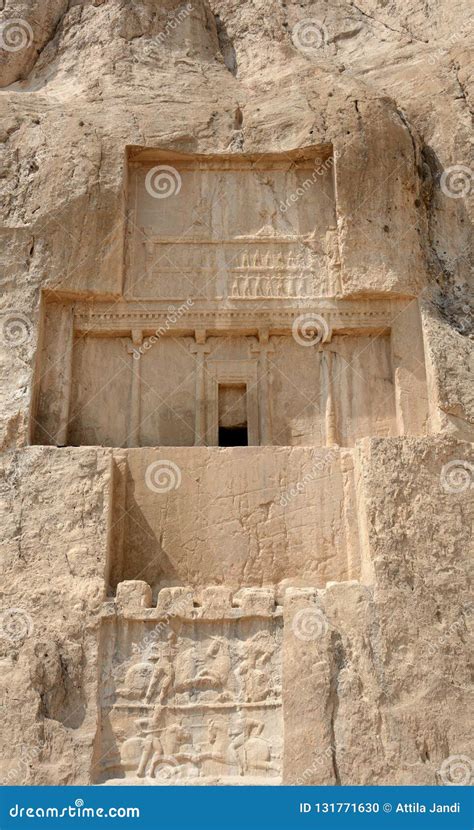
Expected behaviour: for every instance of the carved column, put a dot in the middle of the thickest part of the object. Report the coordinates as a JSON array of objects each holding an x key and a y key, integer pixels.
[
  {"x": 200, "y": 349},
  {"x": 327, "y": 359},
  {"x": 264, "y": 348},
  {"x": 66, "y": 378},
  {"x": 133, "y": 438}
]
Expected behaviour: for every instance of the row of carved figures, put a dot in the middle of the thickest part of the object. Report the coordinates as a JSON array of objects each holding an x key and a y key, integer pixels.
[
  {"x": 278, "y": 261},
  {"x": 271, "y": 286}
]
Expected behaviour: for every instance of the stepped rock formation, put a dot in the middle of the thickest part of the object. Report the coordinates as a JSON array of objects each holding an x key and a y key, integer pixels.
[{"x": 237, "y": 399}]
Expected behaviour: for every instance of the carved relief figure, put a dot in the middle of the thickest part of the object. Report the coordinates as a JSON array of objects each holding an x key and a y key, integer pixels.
[
  {"x": 169, "y": 747},
  {"x": 218, "y": 663},
  {"x": 254, "y": 669},
  {"x": 253, "y": 752},
  {"x": 136, "y": 681},
  {"x": 162, "y": 679},
  {"x": 152, "y": 677},
  {"x": 205, "y": 670},
  {"x": 215, "y": 755}
]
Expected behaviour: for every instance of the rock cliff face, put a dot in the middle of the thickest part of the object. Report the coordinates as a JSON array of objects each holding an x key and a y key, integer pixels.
[{"x": 162, "y": 587}]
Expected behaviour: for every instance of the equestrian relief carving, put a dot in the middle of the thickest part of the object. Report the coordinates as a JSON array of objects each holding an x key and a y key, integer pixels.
[{"x": 192, "y": 697}]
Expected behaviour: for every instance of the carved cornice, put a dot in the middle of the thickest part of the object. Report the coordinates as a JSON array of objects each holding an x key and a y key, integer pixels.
[
  {"x": 179, "y": 316},
  {"x": 302, "y": 156}
]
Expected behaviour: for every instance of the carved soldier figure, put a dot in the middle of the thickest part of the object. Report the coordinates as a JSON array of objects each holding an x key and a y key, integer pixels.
[
  {"x": 215, "y": 755},
  {"x": 162, "y": 678},
  {"x": 254, "y": 670},
  {"x": 218, "y": 664},
  {"x": 252, "y": 751},
  {"x": 168, "y": 746}
]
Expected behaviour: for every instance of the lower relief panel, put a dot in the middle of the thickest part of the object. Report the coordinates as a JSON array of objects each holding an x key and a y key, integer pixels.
[{"x": 190, "y": 701}]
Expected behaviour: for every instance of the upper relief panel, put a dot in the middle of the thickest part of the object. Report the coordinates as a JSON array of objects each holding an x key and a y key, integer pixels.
[{"x": 232, "y": 228}]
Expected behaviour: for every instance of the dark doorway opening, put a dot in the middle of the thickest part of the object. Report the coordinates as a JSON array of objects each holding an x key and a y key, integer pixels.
[
  {"x": 233, "y": 436},
  {"x": 232, "y": 408}
]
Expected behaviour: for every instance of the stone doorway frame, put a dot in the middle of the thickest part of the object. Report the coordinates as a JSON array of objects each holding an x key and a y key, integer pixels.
[{"x": 229, "y": 373}]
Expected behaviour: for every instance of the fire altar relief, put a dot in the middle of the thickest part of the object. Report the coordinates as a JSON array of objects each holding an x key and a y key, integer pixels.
[{"x": 191, "y": 694}]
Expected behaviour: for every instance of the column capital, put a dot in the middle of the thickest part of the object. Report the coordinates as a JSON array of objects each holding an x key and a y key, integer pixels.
[
  {"x": 200, "y": 336},
  {"x": 264, "y": 345},
  {"x": 135, "y": 341},
  {"x": 200, "y": 347},
  {"x": 264, "y": 336}
]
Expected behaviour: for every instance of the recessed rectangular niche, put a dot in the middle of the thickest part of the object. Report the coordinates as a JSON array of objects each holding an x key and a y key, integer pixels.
[
  {"x": 232, "y": 227},
  {"x": 237, "y": 518}
]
